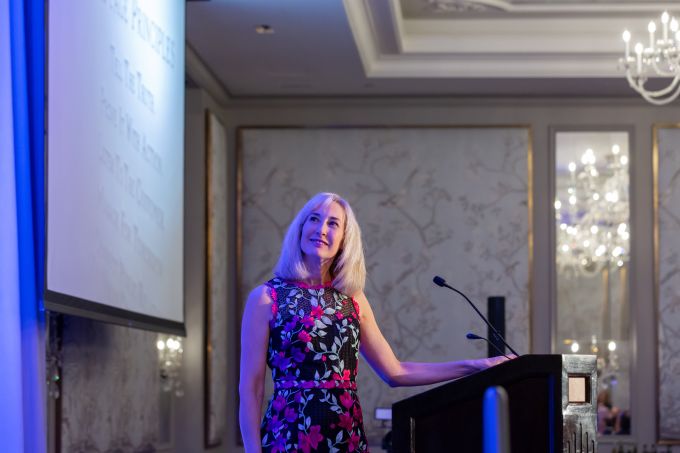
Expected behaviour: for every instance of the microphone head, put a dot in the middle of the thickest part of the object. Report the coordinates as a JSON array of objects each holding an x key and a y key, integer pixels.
[
  {"x": 472, "y": 336},
  {"x": 438, "y": 280}
]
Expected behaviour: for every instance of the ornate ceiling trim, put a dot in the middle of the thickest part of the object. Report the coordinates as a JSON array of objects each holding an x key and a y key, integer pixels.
[
  {"x": 391, "y": 45},
  {"x": 537, "y": 6}
]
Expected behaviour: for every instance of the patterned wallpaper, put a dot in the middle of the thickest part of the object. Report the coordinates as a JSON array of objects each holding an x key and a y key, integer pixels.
[
  {"x": 447, "y": 201},
  {"x": 111, "y": 398},
  {"x": 668, "y": 256}
]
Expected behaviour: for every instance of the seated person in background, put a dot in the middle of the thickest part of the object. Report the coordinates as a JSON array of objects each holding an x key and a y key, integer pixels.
[
  {"x": 622, "y": 425},
  {"x": 607, "y": 414}
]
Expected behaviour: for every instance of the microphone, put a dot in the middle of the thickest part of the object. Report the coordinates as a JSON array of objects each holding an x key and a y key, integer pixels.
[
  {"x": 472, "y": 336},
  {"x": 441, "y": 282}
]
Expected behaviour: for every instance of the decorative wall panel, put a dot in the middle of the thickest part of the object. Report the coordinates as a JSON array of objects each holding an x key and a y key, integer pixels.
[
  {"x": 667, "y": 171},
  {"x": 430, "y": 201},
  {"x": 111, "y": 396}
]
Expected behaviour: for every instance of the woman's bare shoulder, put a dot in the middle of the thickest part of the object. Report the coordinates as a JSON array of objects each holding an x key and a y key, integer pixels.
[
  {"x": 260, "y": 296},
  {"x": 361, "y": 300},
  {"x": 259, "y": 308},
  {"x": 360, "y": 297}
]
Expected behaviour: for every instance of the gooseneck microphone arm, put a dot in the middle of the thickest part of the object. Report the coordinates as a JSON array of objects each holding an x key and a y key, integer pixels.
[
  {"x": 472, "y": 336},
  {"x": 441, "y": 282}
]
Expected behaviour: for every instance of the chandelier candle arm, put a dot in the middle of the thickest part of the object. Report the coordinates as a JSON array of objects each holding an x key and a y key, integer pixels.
[
  {"x": 656, "y": 97},
  {"x": 663, "y": 101},
  {"x": 660, "y": 59},
  {"x": 639, "y": 87}
]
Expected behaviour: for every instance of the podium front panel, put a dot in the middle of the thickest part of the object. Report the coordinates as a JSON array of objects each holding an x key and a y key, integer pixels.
[{"x": 546, "y": 414}]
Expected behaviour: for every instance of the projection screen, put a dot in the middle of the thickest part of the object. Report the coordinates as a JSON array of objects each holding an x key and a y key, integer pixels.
[{"x": 115, "y": 161}]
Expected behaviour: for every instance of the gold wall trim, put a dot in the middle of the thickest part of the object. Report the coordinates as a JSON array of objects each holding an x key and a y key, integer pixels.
[
  {"x": 208, "y": 321},
  {"x": 656, "y": 127},
  {"x": 530, "y": 244}
]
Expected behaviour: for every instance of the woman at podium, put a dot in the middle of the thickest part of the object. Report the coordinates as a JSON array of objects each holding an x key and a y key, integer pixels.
[{"x": 308, "y": 325}]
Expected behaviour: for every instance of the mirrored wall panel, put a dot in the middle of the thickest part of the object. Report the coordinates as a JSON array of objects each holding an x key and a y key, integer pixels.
[{"x": 591, "y": 260}]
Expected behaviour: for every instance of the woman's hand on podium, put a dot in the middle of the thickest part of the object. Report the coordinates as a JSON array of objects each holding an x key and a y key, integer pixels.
[{"x": 493, "y": 361}]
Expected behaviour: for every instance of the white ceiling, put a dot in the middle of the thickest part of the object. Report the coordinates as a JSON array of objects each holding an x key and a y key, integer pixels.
[{"x": 418, "y": 47}]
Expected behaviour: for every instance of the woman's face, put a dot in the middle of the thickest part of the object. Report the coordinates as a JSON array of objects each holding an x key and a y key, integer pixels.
[{"x": 323, "y": 231}]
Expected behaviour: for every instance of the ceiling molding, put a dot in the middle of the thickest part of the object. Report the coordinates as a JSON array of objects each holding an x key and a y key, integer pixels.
[
  {"x": 509, "y": 46},
  {"x": 201, "y": 74},
  {"x": 513, "y": 102},
  {"x": 444, "y": 7},
  {"x": 363, "y": 32}
]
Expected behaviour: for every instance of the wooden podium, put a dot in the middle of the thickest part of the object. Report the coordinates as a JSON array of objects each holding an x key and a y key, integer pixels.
[{"x": 552, "y": 406}]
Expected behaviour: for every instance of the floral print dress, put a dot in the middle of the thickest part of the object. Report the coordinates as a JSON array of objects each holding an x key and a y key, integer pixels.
[{"x": 313, "y": 354}]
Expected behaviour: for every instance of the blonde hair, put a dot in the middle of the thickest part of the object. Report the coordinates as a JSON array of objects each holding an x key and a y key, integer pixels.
[{"x": 348, "y": 269}]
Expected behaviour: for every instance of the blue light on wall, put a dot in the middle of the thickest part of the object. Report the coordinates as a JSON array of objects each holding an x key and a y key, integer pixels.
[{"x": 22, "y": 403}]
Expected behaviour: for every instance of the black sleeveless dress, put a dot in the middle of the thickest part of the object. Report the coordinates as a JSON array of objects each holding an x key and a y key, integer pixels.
[{"x": 313, "y": 354}]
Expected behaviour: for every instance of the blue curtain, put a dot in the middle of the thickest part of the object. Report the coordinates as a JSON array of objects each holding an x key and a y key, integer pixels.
[{"x": 22, "y": 391}]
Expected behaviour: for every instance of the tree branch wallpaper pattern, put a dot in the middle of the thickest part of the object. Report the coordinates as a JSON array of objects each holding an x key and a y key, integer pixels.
[
  {"x": 430, "y": 201},
  {"x": 668, "y": 262}
]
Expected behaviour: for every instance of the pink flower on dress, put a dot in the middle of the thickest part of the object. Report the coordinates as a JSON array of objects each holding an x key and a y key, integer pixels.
[
  {"x": 317, "y": 312},
  {"x": 279, "y": 403},
  {"x": 308, "y": 322},
  {"x": 274, "y": 424},
  {"x": 289, "y": 326},
  {"x": 344, "y": 377},
  {"x": 280, "y": 361},
  {"x": 298, "y": 355},
  {"x": 279, "y": 445},
  {"x": 346, "y": 400},
  {"x": 290, "y": 415},
  {"x": 339, "y": 315},
  {"x": 307, "y": 441},
  {"x": 346, "y": 422},
  {"x": 358, "y": 414},
  {"x": 304, "y": 337},
  {"x": 353, "y": 442},
  {"x": 356, "y": 307}
]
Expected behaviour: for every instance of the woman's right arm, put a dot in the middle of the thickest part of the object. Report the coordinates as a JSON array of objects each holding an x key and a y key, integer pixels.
[{"x": 254, "y": 343}]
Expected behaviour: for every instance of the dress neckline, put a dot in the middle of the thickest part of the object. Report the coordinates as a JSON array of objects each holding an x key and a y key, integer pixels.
[{"x": 304, "y": 285}]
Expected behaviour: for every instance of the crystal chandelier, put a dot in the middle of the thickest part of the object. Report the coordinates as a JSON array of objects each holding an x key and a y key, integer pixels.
[
  {"x": 591, "y": 213},
  {"x": 660, "y": 59}
]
